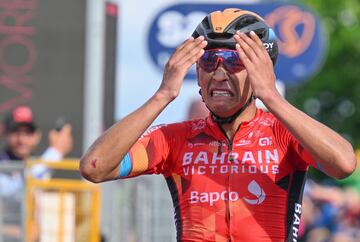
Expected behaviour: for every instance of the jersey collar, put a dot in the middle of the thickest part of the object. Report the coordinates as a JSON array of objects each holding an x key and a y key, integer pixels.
[{"x": 213, "y": 129}]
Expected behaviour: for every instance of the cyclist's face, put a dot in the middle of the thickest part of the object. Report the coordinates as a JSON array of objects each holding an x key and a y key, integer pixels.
[{"x": 223, "y": 92}]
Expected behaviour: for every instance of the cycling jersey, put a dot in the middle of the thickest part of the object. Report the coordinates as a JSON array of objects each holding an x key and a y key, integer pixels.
[{"x": 247, "y": 189}]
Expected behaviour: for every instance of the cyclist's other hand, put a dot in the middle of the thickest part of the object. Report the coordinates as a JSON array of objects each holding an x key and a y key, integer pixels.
[{"x": 257, "y": 63}]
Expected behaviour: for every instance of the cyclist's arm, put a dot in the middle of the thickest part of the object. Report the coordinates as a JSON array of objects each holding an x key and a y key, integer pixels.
[
  {"x": 101, "y": 162},
  {"x": 332, "y": 153}
]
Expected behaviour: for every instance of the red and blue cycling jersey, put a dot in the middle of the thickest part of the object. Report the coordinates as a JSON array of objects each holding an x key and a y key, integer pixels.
[{"x": 247, "y": 189}]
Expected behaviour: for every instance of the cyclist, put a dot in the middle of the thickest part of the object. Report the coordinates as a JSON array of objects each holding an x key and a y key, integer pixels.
[{"x": 236, "y": 175}]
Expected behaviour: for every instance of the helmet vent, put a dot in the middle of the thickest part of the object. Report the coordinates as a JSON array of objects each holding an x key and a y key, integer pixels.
[
  {"x": 220, "y": 36},
  {"x": 206, "y": 23},
  {"x": 245, "y": 21},
  {"x": 261, "y": 33}
]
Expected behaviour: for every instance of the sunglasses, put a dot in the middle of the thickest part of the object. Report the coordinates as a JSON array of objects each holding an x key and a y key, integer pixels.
[{"x": 212, "y": 58}]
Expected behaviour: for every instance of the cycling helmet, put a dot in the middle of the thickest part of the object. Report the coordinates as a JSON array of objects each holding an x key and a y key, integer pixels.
[{"x": 218, "y": 28}]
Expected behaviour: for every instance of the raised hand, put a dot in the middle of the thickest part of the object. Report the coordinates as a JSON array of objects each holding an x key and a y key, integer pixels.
[
  {"x": 62, "y": 140},
  {"x": 257, "y": 63},
  {"x": 179, "y": 64}
]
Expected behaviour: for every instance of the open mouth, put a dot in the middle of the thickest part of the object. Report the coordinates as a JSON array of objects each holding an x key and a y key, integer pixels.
[{"x": 221, "y": 93}]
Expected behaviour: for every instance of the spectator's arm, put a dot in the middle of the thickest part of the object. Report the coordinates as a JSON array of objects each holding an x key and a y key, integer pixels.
[{"x": 60, "y": 143}]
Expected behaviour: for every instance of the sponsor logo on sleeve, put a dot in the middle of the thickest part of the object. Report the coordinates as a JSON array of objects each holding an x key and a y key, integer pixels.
[{"x": 265, "y": 141}]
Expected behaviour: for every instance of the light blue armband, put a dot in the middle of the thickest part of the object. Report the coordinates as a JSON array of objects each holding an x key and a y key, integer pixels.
[{"x": 125, "y": 166}]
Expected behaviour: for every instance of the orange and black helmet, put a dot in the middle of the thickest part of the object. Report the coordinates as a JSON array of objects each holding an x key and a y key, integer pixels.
[{"x": 219, "y": 28}]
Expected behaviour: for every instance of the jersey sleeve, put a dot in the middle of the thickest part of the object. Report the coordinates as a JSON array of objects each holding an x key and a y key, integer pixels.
[
  {"x": 299, "y": 156},
  {"x": 148, "y": 155}
]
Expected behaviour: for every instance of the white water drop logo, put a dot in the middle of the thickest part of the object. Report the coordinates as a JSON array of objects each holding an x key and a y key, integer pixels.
[{"x": 256, "y": 190}]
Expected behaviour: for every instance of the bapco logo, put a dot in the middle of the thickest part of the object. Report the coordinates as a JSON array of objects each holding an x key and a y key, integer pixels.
[{"x": 212, "y": 197}]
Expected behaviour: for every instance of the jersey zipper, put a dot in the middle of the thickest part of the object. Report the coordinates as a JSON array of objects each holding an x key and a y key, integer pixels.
[{"x": 230, "y": 143}]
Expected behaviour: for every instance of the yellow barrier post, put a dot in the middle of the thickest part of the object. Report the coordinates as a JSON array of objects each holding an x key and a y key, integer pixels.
[{"x": 62, "y": 190}]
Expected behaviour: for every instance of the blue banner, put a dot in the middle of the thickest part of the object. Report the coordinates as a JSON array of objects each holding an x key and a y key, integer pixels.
[{"x": 302, "y": 42}]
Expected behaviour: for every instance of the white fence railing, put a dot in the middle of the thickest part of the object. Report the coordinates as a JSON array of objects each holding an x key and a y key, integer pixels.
[{"x": 138, "y": 210}]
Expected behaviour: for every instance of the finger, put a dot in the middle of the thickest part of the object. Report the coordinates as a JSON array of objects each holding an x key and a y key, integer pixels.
[
  {"x": 247, "y": 49},
  {"x": 67, "y": 128},
  {"x": 187, "y": 48},
  {"x": 195, "y": 44},
  {"x": 184, "y": 43},
  {"x": 258, "y": 49},
  {"x": 258, "y": 41},
  {"x": 243, "y": 57},
  {"x": 174, "y": 56},
  {"x": 256, "y": 38},
  {"x": 196, "y": 52},
  {"x": 192, "y": 60},
  {"x": 177, "y": 55},
  {"x": 261, "y": 50}
]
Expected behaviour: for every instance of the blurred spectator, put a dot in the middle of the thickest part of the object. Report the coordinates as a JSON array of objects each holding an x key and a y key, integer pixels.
[
  {"x": 330, "y": 214},
  {"x": 22, "y": 136},
  {"x": 197, "y": 109}
]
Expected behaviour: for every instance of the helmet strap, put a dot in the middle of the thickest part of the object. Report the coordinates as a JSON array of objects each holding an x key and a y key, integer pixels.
[
  {"x": 201, "y": 95},
  {"x": 224, "y": 120}
]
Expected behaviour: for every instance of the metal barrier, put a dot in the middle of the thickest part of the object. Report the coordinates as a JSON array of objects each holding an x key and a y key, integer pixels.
[
  {"x": 64, "y": 208},
  {"x": 67, "y": 209},
  {"x": 138, "y": 210},
  {"x": 11, "y": 201}
]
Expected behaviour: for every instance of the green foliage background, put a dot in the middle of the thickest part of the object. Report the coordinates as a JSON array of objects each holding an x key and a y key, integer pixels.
[{"x": 332, "y": 96}]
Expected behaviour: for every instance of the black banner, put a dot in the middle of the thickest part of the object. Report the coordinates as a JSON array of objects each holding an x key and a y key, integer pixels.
[
  {"x": 110, "y": 63},
  {"x": 42, "y": 44}
]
